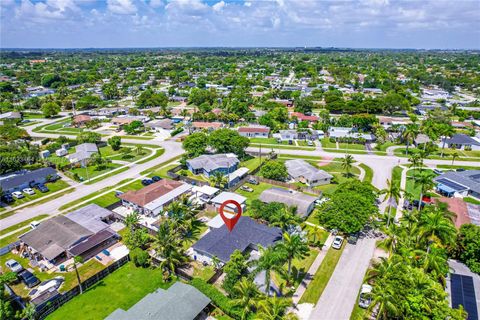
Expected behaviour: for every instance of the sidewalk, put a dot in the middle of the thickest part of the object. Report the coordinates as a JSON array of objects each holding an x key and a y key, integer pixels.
[{"x": 313, "y": 269}]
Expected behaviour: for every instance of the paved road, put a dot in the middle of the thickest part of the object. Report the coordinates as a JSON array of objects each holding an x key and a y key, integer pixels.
[
  {"x": 340, "y": 295},
  {"x": 172, "y": 149}
]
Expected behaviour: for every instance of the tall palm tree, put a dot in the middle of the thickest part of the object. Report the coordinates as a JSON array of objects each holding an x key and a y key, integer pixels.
[
  {"x": 218, "y": 179},
  {"x": 171, "y": 258},
  {"x": 383, "y": 298},
  {"x": 446, "y": 131},
  {"x": 454, "y": 156},
  {"x": 132, "y": 220},
  {"x": 247, "y": 294},
  {"x": 416, "y": 161},
  {"x": 392, "y": 194},
  {"x": 347, "y": 163},
  {"x": 273, "y": 309},
  {"x": 436, "y": 227},
  {"x": 270, "y": 260},
  {"x": 409, "y": 134},
  {"x": 425, "y": 181},
  {"x": 78, "y": 259},
  {"x": 294, "y": 247},
  {"x": 383, "y": 268},
  {"x": 286, "y": 218}
]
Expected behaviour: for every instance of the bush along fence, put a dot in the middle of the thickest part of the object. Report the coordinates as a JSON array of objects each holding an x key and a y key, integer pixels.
[{"x": 55, "y": 301}]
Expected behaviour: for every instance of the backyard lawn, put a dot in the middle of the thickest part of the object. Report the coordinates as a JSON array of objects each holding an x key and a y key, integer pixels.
[
  {"x": 257, "y": 190},
  {"x": 322, "y": 276},
  {"x": 122, "y": 289},
  {"x": 252, "y": 163}
]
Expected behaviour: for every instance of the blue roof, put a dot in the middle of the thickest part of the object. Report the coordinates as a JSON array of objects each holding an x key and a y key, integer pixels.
[{"x": 445, "y": 188}]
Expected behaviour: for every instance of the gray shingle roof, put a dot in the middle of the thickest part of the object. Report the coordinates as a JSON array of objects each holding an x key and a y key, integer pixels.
[
  {"x": 290, "y": 198},
  {"x": 462, "y": 139},
  {"x": 213, "y": 161},
  {"x": 468, "y": 178},
  {"x": 54, "y": 236},
  {"x": 12, "y": 181},
  {"x": 90, "y": 217},
  {"x": 222, "y": 243},
  {"x": 180, "y": 302},
  {"x": 300, "y": 168}
]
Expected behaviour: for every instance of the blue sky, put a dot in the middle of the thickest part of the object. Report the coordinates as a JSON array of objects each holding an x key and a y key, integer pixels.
[{"x": 161, "y": 23}]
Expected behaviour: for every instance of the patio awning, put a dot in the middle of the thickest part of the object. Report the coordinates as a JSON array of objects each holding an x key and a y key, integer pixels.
[{"x": 445, "y": 189}]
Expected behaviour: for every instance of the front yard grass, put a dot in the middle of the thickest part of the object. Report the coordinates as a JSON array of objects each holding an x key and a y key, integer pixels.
[
  {"x": 322, "y": 276},
  {"x": 299, "y": 269},
  {"x": 122, "y": 289},
  {"x": 252, "y": 164},
  {"x": 368, "y": 172},
  {"x": 326, "y": 143},
  {"x": 92, "y": 171}
]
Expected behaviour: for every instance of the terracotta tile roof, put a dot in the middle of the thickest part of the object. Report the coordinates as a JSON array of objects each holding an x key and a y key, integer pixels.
[
  {"x": 81, "y": 118},
  {"x": 254, "y": 129},
  {"x": 302, "y": 117},
  {"x": 459, "y": 207},
  {"x": 198, "y": 124},
  {"x": 149, "y": 193}
]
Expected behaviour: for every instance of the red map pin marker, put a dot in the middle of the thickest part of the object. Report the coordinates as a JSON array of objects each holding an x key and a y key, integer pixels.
[{"x": 230, "y": 222}]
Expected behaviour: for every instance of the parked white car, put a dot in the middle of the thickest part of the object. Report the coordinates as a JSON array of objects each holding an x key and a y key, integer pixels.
[
  {"x": 365, "y": 298},
  {"x": 17, "y": 195},
  {"x": 28, "y": 191},
  {"x": 337, "y": 242},
  {"x": 34, "y": 224},
  {"x": 14, "y": 265}
]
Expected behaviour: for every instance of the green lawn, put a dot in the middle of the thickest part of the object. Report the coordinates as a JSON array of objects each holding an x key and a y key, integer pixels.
[
  {"x": 136, "y": 137},
  {"x": 252, "y": 163},
  {"x": 471, "y": 200},
  {"x": 122, "y": 289},
  {"x": 22, "y": 224},
  {"x": 368, "y": 172},
  {"x": 52, "y": 186},
  {"x": 296, "y": 156},
  {"x": 163, "y": 172},
  {"x": 11, "y": 238},
  {"x": 257, "y": 190},
  {"x": 322, "y": 276},
  {"x": 453, "y": 167},
  {"x": 382, "y": 148},
  {"x": 286, "y": 147},
  {"x": 463, "y": 155},
  {"x": 265, "y": 140},
  {"x": 31, "y": 115},
  {"x": 351, "y": 146},
  {"x": 92, "y": 172},
  {"x": 156, "y": 154},
  {"x": 299, "y": 268},
  {"x": 326, "y": 143},
  {"x": 411, "y": 187},
  {"x": 160, "y": 165}
]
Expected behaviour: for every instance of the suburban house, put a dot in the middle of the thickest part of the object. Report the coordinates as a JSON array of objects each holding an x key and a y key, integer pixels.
[
  {"x": 459, "y": 183},
  {"x": 210, "y": 126},
  {"x": 287, "y": 103},
  {"x": 164, "y": 125},
  {"x": 254, "y": 131},
  {"x": 10, "y": 116},
  {"x": 217, "y": 201},
  {"x": 286, "y": 135},
  {"x": 180, "y": 302},
  {"x": 20, "y": 180},
  {"x": 304, "y": 172},
  {"x": 152, "y": 200},
  {"x": 121, "y": 121},
  {"x": 461, "y": 141},
  {"x": 464, "y": 212},
  {"x": 342, "y": 132},
  {"x": 83, "y": 232},
  {"x": 302, "y": 117},
  {"x": 246, "y": 235},
  {"x": 203, "y": 194},
  {"x": 81, "y": 119},
  {"x": 208, "y": 164},
  {"x": 303, "y": 202},
  {"x": 83, "y": 152},
  {"x": 421, "y": 138}
]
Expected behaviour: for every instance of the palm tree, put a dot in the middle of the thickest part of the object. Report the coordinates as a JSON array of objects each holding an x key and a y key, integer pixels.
[
  {"x": 409, "y": 134},
  {"x": 446, "y": 130},
  {"x": 454, "y": 156},
  {"x": 347, "y": 163},
  {"x": 138, "y": 149},
  {"x": 171, "y": 258},
  {"x": 416, "y": 161},
  {"x": 78, "y": 259},
  {"x": 132, "y": 220},
  {"x": 294, "y": 247},
  {"x": 273, "y": 309},
  {"x": 435, "y": 226},
  {"x": 218, "y": 179},
  {"x": 216, "y": 262},
  {"x": 392, "y": 194},
  {"x": 383, "y": 268},
  {"x": 270, "y": 260},
  {"x": 29, "y": 312},
  {"x": 287, "y": 217},
  {"x": 425, "y": 180},
  {"x": 247, "y": 294},
  {"x": 383, "y": 298}
]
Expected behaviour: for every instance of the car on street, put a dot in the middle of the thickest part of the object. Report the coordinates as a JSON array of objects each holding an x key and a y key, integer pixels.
[
  {"x": 13, "y": 265},
  {"x": 460, "y": 169},
  {"x": 321, "y": 201},
  {"x": 28, "y": 278},
  {"x": 147, "y": 182},
  {"x": 17, "y": 195},
  {"x": 353, "y": 238},
  {"x": 365, "y": 298},
  {"x": 41, "y": 187},
  {"x": 310, "y": 143},
  {"x": 246, "y": 188},
  {"x": 252, "y": 181},
  {"x": 29, "y": 191},
  {"x": 156, "y": 178},
  {"x": 337, "y": 242},
  {"x": 7, "y": 198}
]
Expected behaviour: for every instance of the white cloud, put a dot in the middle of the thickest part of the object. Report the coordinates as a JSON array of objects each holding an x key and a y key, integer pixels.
[
  {"x": 121, "y": 6},
  {"x": 156, "y": 3},
  {"x": 218, "y": 6}
]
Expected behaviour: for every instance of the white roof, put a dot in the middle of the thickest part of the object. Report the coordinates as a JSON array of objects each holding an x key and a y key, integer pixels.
[
  {"x": 159, "y": 202},
  {"x": 240, "y": 172},
  {"x": 209, "y": 191},
  {"x": 224, "y": 196},
  {"x": 216, "y": 222}
]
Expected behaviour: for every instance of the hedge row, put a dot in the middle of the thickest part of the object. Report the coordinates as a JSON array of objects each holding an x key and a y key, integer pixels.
[{"x": 218, "y": 298}]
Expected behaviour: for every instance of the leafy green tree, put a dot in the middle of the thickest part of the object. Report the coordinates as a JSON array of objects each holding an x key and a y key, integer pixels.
[
  {"x": 425, "y": 180},
  {"x": 274, "y": 308},
  {"x": 446, "y": 131},
  {"x": 295, "y": 248},
  {"x": 218, "y": 179},
  {"x": 467, "y": 248},
  {"x": 247, "y": 296},
  {"x": 50, "y": 109},
  {"x": 228, "y": 141},
  {"x": 270, "y": 260},
  {"x": 115, "y": 142},
  {"x": 409, "y": 134},
  {"x": 235, "y": 269},
  {"x": 303, "y": 105},
  {"x": 110, "y": 91},
  {"x": 392, "y": 194},
  {"x": 89, "y": 137},
  {"x": 195, "y": 144},
  {"x": 274, "y": 170}
]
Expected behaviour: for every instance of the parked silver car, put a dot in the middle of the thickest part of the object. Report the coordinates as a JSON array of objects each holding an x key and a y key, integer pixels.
[
  {"x": 14, "y": 265},
  {"x": 337, "y": 242}
]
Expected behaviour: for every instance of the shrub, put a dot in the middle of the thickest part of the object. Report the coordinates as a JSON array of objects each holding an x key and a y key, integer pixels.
[
  {"x": 176, "y": 131},
  {"x": 216, "y": 296},
  {"x": 139, "y": 257}
]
